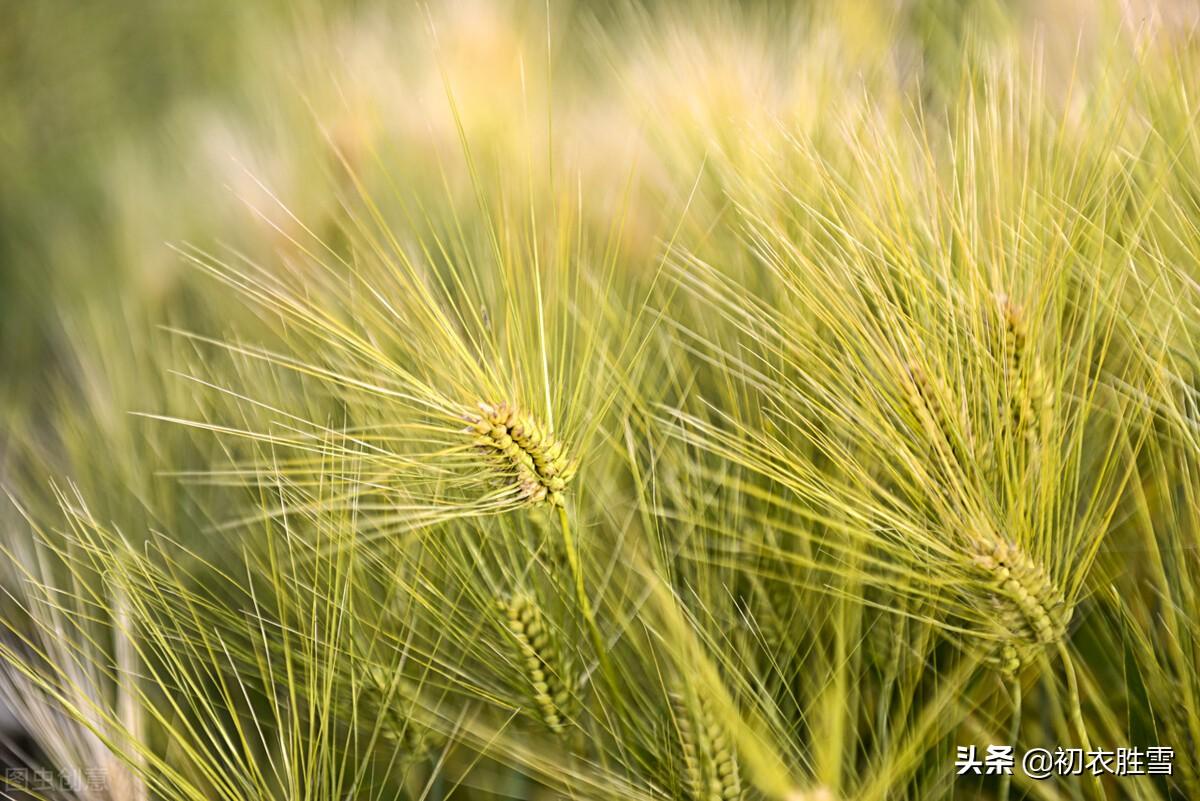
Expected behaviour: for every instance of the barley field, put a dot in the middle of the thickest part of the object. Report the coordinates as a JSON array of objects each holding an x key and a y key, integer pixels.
[{"x": 635, "y": 400}]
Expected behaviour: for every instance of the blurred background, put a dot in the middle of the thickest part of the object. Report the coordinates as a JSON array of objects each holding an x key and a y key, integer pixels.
[{"x": 127, "y": 128}]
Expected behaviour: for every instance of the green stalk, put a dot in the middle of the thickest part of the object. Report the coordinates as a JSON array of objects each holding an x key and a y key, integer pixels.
[
  {"x": 585, "y": 603},
  {"x": 1013, "y": 733},
  {"x": 1075, "y": 708}
]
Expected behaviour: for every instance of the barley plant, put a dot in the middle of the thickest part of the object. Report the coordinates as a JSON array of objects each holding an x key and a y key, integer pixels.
[{"x": 711, "y": 401}]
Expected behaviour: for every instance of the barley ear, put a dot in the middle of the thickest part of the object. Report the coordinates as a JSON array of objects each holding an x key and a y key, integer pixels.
[
  {"x": 710, "y": 766},
  {"x": 541, "y": 661},
  {"x": 1024, "y": 375},
  {"x": 523, "y": 452},
  {"x": 1187, "y": 767},
  {"x": 946, "y": 432},
  {"x": 812, "y": 794},
  {"x": 401, "y": 719},
  {"x": 1031, "y": 611}
]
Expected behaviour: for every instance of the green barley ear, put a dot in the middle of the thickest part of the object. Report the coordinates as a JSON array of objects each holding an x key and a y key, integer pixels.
[
  {"x": 401, "y": 719},
  {"x": 523, "y": 452},
  {"x": 1024, "y": 376},
  {"x": 1031, "y": 611},
  {"x": 710, "y": 765},
  {"x": 947, "y": 432},
  {"x": 771, "y": 608},
  {"x": 541, "y": 660},
  {"x": 887, "y": 633}
]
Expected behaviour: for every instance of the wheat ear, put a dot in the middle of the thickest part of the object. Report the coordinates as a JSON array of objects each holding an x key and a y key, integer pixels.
[
  {"x": 524, "y": 452},
  {"x": 923, "y": 393},
  {"x": 709, "y": 763},
  {"x": 1032, "y": 611},
  {"x": 411, "y": 735},
  {"x": 1023, "y": 374},
  {"x": 541, "y": 660}
]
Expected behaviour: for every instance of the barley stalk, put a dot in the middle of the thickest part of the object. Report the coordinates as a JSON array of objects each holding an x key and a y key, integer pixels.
[{"x": 1014, "y": 732}]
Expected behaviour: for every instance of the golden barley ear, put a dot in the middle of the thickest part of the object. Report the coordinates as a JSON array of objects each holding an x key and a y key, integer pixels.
[
  {"x": 523, "y": 452},
  {"x": 1031, "y": 611},
  {"x": 551, "y": 681},
  {"x": 710, "y": 765}
]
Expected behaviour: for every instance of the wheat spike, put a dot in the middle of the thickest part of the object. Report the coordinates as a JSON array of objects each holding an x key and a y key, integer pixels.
[
  {"x": 924, "y": 393},
  {"x": 1032, "y": 611},
  {"x": 709, "y": 762},
  {"x": 541, "y": 660},
  {"x": 400, "y": 716},
  {"x": 1023, "y": 374},
  {"x": 523, "y": 451}
]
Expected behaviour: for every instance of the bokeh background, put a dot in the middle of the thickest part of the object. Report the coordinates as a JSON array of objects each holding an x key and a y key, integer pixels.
[{"x": 128, "y": 126}]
